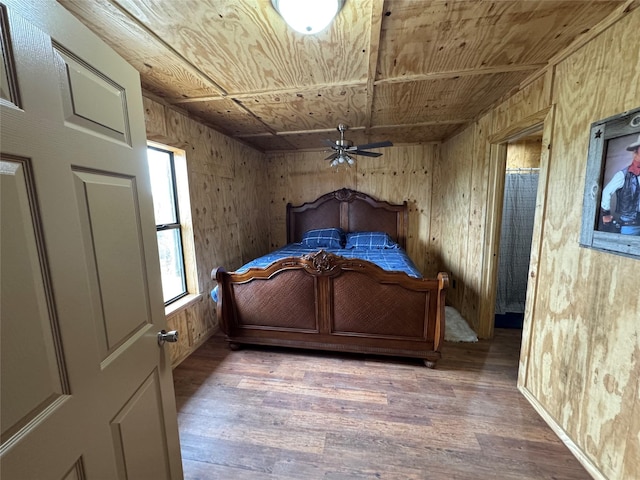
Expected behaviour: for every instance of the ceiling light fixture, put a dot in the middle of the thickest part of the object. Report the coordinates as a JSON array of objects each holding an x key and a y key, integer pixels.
[
  {"x": 308, "y": 16},
  {"x": 342, "y": 159}
]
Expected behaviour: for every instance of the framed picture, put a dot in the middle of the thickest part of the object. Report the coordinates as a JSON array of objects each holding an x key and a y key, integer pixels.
[{"x": 611, "y": 205}]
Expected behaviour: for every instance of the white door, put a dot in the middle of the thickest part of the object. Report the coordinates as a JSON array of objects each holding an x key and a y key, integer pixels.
[{"x": 86, "y": 390}]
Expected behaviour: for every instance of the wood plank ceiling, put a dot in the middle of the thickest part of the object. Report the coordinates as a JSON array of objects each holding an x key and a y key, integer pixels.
[{"x": 409, "y": 71}]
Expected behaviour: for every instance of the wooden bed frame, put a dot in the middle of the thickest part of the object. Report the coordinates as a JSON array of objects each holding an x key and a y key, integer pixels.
[{"x": 327, "y": 302}]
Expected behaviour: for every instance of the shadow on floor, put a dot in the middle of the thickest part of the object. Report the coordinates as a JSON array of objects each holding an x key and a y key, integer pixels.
[{"x": 509, "y": 320}]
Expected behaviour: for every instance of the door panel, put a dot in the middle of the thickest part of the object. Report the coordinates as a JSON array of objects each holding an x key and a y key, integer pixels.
[
  {"x": 81, "y": 85},
  {"x": 76, "y": 473},
  {"x": 8, "y": 82},
  {"x": 81, "y": 297},
  {"x": 138, "y": 432},
  {"x": 112, "y": 240},
  {"x": 25, "y": 393}
]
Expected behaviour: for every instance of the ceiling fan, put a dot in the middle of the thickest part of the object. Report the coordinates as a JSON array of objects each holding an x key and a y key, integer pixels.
[{"x": 343, "y": 149}]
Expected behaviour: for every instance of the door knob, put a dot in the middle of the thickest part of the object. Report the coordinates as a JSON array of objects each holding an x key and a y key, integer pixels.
[{"x": 164, "y": 336}]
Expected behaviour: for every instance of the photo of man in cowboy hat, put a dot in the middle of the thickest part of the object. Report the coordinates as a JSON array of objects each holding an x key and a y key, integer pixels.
[{"x": 625, "y": 184}]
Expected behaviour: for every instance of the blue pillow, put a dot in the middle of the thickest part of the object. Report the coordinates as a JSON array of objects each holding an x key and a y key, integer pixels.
[
  {"x": 370, "y": 240},
  {"x": 324, "y": 237}
]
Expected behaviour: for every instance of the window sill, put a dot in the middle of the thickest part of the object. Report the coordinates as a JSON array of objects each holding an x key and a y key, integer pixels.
[{"x": 181, "y": 304}]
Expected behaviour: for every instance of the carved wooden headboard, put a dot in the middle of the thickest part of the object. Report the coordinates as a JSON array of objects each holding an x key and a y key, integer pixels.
[{"x": 350, "y": 210}]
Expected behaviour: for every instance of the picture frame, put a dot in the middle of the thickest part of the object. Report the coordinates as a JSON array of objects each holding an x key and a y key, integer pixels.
[{"x": 615, "y": 229}]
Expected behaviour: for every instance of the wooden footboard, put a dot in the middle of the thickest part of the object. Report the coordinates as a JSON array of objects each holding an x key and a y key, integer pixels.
[{"x": 327, "y": 302}]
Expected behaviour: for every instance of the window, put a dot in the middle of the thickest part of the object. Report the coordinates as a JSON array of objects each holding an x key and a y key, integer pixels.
[{"x": 162, "y": 171}]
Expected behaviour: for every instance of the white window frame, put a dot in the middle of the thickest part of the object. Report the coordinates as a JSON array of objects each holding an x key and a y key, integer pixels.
[{"x": 183, "y": 202}]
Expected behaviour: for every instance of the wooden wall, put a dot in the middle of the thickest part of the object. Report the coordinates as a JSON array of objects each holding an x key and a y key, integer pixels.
[
  {"x": 461, "y": 206},
  {"x": 524, "y": 154},
  {"x": 581, "y": 354},
  {"x": 401, "y": 173},
  {"x": 583, "y": 349},
  {"x": 229, "y": 198}
]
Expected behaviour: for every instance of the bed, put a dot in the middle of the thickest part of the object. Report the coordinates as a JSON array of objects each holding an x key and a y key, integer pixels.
[{"x": 324, "y": 291}]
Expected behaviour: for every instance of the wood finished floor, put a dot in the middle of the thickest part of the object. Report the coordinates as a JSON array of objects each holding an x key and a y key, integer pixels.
[{"x": 267, "y": 413}]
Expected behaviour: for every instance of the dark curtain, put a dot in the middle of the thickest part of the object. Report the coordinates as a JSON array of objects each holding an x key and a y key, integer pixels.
[{"x": 515, "y": 241}]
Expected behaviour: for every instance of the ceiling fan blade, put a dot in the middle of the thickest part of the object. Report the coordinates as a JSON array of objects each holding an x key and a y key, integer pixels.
[
  {"x": 364, "y": 153},
  {"x": 386, "y": 143},
  {"x": 330, "y": 143},
  {"x": 332, "y": 156}
]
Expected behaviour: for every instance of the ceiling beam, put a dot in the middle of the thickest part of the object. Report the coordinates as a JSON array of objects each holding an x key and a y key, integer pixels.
[
  {"x": 370, "y": 83},
  {"x": 304, "y": 89},
  {"x": 375, "y": 30},
  {"x": 297, "y": 132},
  {"x": 458, "y": 121},
  {"x": 460, "y": 73}
]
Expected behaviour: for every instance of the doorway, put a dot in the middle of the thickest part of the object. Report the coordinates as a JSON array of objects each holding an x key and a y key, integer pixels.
[
  {"x": 536, "y": 125},
  {"x": 518, "y": 212}
]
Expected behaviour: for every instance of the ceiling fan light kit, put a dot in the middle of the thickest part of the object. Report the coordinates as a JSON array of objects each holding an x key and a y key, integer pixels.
[
  {"x": 308, "y": 16},
  {"x": 341, "y": 160}
]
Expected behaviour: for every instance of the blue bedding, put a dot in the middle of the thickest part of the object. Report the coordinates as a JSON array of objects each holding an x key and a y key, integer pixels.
[{"x": 391, "y": 259}]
